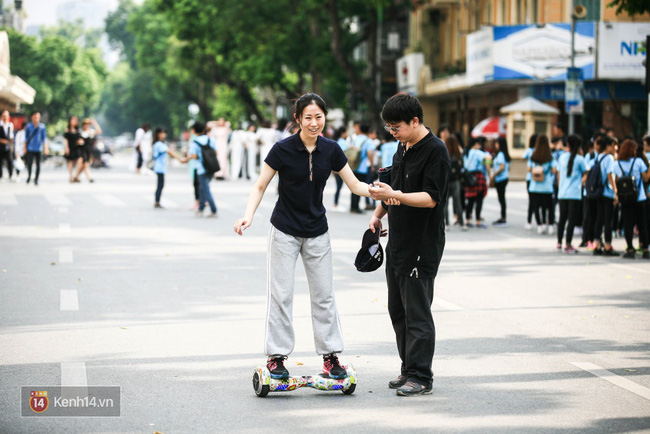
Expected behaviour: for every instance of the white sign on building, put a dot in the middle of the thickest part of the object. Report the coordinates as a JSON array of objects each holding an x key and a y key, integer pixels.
[
  {"x": 480, "y": 63},
  {"x": 621, "y": 50},
  {"x": 408, "y": 72}
]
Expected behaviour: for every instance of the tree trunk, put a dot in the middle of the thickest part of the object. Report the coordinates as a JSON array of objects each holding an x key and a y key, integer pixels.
[{"x": 367, "y": 88}]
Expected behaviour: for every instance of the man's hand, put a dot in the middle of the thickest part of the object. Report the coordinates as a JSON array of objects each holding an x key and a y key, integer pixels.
[{"x": 381, "y": 191}]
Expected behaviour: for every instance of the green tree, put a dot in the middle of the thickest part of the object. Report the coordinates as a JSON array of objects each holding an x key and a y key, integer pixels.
[{"x": 632, "y": 7}]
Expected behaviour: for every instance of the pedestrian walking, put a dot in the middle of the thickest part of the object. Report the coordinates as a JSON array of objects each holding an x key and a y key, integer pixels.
[
  {"x": 196, "y": 152},
  {"x": 456, "y": 167},
  {"x": 631, "y": 173},
  {"x": 529, "y": 176},
  {"x": 142, "y": 145},
  {"x": 6, "y": 144},
  {"x": 341, "y": 137},
  {"x": 303, "y": 163},
  {"x": 219, "y": 132},
  {"x": 266, "y": 136},
  {"x": 364, "y": 169},
  {"x": 475, "y": 163},
  {"x": 571, "y": 174},
  {"x": 73, "y": 143},
  {"x": 90, "y": 129},
  {"x": 500, "y": 177},
  {"x": 250, "y": 143},
  {"x": 542, "y": 168},
  {"x": 160, "y": 151},
  {"x": 419, "y": 182},
  {"x": 19, "y": 151},
  {"x": 35, "y": 145}
]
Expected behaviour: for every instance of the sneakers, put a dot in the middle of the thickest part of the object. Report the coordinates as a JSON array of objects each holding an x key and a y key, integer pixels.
[
  {"x": 646, "y": 255},
  {"x": 610, "y": 252},
  {"x": 500, "y": 223},
  {"x": 332, "y": 367},
  {"x": 275, "y": 365},
  {"x": 411, "y": 389},
  {"x": 550, "y": 229},
  {"x": 630, "y": 254},
  {"x": 558, "y": 246},
  {"x": 397, "y": 383},
  {"x": 585, "y": 244},
  {"x": 569, "y": 250},
  {"x": 541, "y": 229}
]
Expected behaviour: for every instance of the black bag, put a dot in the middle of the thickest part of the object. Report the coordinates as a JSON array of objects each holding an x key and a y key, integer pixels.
[
  {"x": 467, "y": 179},
  {"x": 626, "y": 186},
  {"x": 456, "y": 169},
  {"x": 594, "y": 184},
  {"x": 209, "y": 158}
]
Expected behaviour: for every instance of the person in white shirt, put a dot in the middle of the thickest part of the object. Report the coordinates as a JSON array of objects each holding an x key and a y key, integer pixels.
[
  {"x": 19, "y": 150},
  {"x": 142, "y": 144},
  {"x": 236, "y": 152},
  {"x": 266, "y": 136},
  {"x": 250, "y": 145},
  {"x": 6, "y": 143},
  {"x": 219, "y": 132}
]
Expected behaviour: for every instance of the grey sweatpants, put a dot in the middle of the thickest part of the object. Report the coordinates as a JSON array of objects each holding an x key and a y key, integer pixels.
[{"x": 283, "y": 251}]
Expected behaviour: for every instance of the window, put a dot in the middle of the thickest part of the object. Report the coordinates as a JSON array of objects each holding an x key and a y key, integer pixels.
[{"x": 593, "y": 9}]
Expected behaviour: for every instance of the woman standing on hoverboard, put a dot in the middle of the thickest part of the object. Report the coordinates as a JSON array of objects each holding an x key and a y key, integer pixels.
[{"x": 303, "y": 162}]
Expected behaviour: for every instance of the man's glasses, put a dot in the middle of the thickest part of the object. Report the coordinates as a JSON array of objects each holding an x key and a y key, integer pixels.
[{"x": 392, "y": 129}]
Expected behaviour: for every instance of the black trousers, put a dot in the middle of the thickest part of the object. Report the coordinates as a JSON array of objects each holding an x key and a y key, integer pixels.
[
  {"x": 604, "y": 213},
  {"x": 29, "y": 160},
  {"x": 196, "y": 186},
  {"x": 501, "y": 193},
  {"x": 543, "y": 202},
  {"x": 569, "y": 213},
  {"x": 409, "y": 307},
  {"x": 6, "y": 155},
  {"x": 634, "y": 215},
  {"x": 590, "y": 210},
  {"x": 531, "y": 208},
  {"x": 478, "y": 200},
  {"x": 140, "y": 159},
  {"x": 339, "y": 185},
  {"x": 160, "y": 186},
  {"x": 354, "y": 199}
]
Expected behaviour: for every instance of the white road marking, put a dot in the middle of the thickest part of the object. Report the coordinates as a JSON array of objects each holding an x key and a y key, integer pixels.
[
  {"x": 8, "y": 200},
  {"x": 65, "y": 256},
  {"x": 616, "y": 380},
  {"x": 64, "y": 228},
  {"x": 110, "y": 200},
  {"x": 69, "y": 299},
  {"x": 446, "y": 305},
  {"x": 73, "y": 374},
  {"x": 57, "y": 199}
]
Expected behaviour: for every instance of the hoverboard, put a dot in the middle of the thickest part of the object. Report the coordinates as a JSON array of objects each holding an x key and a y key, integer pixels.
[{"x": 263, "y": 383}]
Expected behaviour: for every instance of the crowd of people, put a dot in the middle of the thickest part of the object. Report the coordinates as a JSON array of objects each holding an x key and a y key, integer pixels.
[{"x": 597, "y": 187}]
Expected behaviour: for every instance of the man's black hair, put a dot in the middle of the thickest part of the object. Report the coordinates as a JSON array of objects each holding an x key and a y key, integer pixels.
[
  {"x": 402, "y": 107},
  {"x": 364, "y": 128},
  {"x": 198, "y": 127}
]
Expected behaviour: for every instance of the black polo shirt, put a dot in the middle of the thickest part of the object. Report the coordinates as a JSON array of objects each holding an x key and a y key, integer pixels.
[
  {"x": 416, "y": 237},
  {"x": 299, "y": 210}
]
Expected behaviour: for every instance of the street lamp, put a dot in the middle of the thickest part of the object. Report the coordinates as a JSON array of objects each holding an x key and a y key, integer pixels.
[{"x": 578, "y": 12}]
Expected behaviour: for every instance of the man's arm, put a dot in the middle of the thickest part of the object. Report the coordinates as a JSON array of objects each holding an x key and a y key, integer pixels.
[{"x": 384, "y": 192}]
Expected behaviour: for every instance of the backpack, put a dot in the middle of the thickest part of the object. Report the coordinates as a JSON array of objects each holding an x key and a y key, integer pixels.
[
  {"x": 594, "y": 184},
  {"x": 626, "y": 186},
  {"x": 354, "y": 157},
  {"x": 209, "y": 158},
  {"x": 538, "y": 174}
]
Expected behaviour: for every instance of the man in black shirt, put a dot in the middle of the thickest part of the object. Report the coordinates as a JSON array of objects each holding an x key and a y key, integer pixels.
[{"x": 419, "y": 178}]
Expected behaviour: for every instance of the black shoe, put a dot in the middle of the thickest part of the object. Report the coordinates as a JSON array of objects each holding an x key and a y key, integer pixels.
[
  {"x": 276, "y": 368},
  {"x": 397, "y": 383},
  {"x": 332, "y": 367},
  {"x": 356, "y": 211},
  {"x": 412, "y": 388},
  {"x": 598, "y": 251},
  {"x": 646, "y": 255},
  {"x": 630, "y": 254},
  {"x": 610, "y": 252},
  {"x": 583, "y": 244}
]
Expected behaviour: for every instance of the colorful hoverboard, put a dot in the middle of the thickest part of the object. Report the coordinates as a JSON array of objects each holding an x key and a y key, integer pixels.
[{"x": 263, "y": 383}]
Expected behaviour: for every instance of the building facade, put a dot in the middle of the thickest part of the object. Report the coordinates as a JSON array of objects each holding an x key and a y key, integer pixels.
[{"x": 480, "y": 55}]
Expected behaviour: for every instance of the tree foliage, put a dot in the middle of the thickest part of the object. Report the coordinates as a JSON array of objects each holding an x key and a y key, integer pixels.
[
  {"x": 631, "y": 7},
  {"x": 68, "y": 79}
]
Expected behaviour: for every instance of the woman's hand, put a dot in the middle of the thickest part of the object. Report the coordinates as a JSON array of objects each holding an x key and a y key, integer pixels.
[
  {"x": 381, "y": 191},
  {"x": 241, "y": 225}
]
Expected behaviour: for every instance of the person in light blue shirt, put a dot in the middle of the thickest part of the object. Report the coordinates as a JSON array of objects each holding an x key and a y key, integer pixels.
[
  {"x": 542, "y": 168},
  {"x": 501, "y": 174},
  {"x": 364, "y": 172},
  {"x": 35, "y": 144},
  {"x": 527, "y": 154},
  {"x": 160, "y": 152},
  {"x": 387, "y": 151},
  {"x": 633, "y": 212},
  {"x": 571, "y": 174},
  {"x": 341, "y": 137},
  {"x": 475, "y": 162},
  {"x": 605, "y": 204},
  {"x": 205, "y": 195}
]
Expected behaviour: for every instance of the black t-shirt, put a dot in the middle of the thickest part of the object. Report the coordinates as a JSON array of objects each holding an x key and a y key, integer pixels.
[
  {"x": 299, "y": 210},
  {"x": 416, "y": 237},
  {"x": 72, "y": 137}
]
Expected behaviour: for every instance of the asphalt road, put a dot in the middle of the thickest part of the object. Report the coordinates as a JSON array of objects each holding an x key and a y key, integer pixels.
[{"x": 97, "y": 288}]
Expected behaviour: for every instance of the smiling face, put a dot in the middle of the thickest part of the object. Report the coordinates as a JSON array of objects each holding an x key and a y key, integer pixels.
[{"x": 311, "y": 121}]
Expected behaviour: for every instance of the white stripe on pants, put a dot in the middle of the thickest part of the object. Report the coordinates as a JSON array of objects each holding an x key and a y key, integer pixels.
[{"x": 283, "y": 251}]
